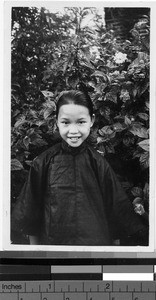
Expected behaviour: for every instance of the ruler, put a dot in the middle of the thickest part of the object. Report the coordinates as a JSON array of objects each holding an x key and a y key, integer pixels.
[{"x": 77, "y": 290}]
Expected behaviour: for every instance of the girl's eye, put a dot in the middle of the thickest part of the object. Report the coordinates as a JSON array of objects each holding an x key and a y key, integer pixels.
[
  {"x": 65, "y": 122},
  {"x": 82, "y": 122}
]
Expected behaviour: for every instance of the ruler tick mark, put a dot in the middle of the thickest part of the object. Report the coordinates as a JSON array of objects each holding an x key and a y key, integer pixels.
[{"x": 126, "y": 288}]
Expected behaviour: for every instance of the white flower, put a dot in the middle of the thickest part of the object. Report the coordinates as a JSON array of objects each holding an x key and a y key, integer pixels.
[
  {"x": 95, "y": 52},
  {"x": 120, "y": 57}
]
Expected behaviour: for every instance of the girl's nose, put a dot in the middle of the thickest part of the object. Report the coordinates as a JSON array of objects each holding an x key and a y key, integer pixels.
[{"x": 73, "y": 128}]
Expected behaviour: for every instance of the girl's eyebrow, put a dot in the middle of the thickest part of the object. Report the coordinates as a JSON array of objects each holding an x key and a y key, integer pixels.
[
  {"x": 64, "y": 118},
  {"x": 79, "y": 119}
]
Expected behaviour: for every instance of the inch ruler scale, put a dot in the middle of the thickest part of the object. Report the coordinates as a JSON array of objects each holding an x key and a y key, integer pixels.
[
  {"x": 77, "y": 290},
  {"x": 18, "y": 282}
]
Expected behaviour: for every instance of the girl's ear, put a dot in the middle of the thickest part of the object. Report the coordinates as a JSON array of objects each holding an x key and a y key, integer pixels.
[{"x": 93, "y": 120}]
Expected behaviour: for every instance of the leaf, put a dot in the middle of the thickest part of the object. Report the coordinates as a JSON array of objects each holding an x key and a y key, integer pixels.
[
  {"x": 144, "y": 87},
  {"x": 73, "y": 81},
  {"x": 105, "y": 112},
  {"x": 100, "y": 74},
  {"x": 87, "y": 65},
  {"x": 91, "y": 83},
  {"x": 48, "y": 112},
  {"x": 20, "y": 121},
  {"x": 147, "y": 105},
  {"x": 47, "y": 94},
  {"x": 106, "y": 130},
  {"x": 142, "y": 56},
  {"x": 118, "y": 127},
  {"x": 26, "y": 141},
  {"x": 40, "y": 123},
  {"x": 127, "y": 141},
  {"x": 137, "y": 191},
  {"x": 127, "y": 121},
  {"x": 140, "y": 132},
  {"x": 39, "y": 142},
  {"x": 101, "y": 149},
  {"x": 33, "y": 113},
  {"x": 135, "y": 91},
  {"x": 28, "y": 162},
  {"x": 66, "y": 63},
  {"x": 110, "y": 148},
  {"x": 26, "y": 153},
  {"x": 49, "y": 104},
  {"x": 101, "y": 139},
  {"x": 146, "y": 191},
  {"x": 35, "y": 135},
  {"x": 126, "y": 185},
  {"x": 99, "y": 88},
  {"x": 144, "y": 160},
  {"x": 111, "y": 97},
  {"x": 16, "y": 165},
  {"x": 143, "y": 116},
  {"x": 144, "y": 145},
  {"x": 15, "y": 113}
]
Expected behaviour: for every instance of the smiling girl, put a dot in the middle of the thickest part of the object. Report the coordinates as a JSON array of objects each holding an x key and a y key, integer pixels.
[{"x": 72, "y": 194}]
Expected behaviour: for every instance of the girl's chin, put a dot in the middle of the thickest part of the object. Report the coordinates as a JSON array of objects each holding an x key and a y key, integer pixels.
[{"x": 74, "y": 142}]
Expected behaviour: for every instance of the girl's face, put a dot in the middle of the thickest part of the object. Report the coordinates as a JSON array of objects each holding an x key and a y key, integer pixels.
[{"x": 74, "y": 123}]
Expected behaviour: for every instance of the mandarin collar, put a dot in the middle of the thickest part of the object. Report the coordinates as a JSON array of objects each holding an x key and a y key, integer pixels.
[{"x": 73, "y": 150}]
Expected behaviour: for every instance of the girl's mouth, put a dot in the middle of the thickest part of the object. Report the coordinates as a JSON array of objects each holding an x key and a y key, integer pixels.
[{"x": 74, "y": 139}]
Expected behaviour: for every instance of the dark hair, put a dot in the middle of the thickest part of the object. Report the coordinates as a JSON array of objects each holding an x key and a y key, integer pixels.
[{"x": 74, "y": 97}]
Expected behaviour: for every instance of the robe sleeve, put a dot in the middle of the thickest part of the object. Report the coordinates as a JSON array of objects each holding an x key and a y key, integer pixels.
[
  {"x": 118, "y": 205},
  {"x": 27, "y": 214}
]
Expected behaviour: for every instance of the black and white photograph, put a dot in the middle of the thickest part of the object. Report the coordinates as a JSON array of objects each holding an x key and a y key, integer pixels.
[{"x": 80, "y": 127}]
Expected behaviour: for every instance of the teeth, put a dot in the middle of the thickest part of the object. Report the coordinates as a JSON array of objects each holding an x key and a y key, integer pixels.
[{"x": 74, "y": 139}]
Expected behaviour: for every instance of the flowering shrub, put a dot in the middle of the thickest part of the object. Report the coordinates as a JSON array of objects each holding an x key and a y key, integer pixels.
[{"x": 65, "y": 55}]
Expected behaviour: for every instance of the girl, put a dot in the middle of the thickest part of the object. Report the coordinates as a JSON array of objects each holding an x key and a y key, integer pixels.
[{"x": 72, "y": 195}]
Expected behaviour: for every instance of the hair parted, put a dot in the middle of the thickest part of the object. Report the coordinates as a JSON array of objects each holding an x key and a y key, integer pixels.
[{"x": 74, "y": 97}]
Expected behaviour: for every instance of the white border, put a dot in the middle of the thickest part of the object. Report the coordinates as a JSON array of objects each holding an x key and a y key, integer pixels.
[
  {"x": 7, "y": 120},
  {"x": 1, "y": 122}
]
